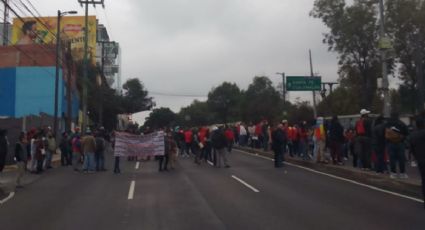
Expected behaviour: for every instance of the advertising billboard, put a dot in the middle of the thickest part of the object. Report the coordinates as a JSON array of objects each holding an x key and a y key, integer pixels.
[{"x": 43, "y": 31}]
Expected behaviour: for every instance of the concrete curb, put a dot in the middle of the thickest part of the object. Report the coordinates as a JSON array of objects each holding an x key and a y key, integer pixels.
[{"x": 405, "y": 187}]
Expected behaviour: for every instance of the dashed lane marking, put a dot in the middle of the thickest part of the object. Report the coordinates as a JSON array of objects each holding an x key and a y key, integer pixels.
[{"x": 244, "y": 183}]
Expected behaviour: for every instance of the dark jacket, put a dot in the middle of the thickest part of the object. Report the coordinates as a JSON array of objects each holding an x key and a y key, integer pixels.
[
  {"x": 417, "y": 145},
  {"x": 336, "y": 132},
  {"x": 378, "y": 137},
  {"x": 278, "y": 139},
  {"x": 218, "y": 139}
]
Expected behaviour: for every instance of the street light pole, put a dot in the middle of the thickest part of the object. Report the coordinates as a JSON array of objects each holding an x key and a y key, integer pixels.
[
  {"x": 283, "y": 86},
  {"x": 58, "y": 45},
  {"x": 385, "y": 82}
]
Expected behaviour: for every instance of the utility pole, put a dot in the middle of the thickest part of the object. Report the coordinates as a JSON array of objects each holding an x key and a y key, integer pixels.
[
  {"x": 419, "y": 73},
  {"x": 314, "y": 92},
  {"x": 58, "y": 46},
  {"x": 5, "y": 23},
  {"x": 85, "y": 60},
  {"x": 385, "y": 82},
  {"x": 283, "y": 85}
]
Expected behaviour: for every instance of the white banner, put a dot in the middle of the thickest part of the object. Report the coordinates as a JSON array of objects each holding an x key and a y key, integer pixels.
[{"x": 135, "y": 145}]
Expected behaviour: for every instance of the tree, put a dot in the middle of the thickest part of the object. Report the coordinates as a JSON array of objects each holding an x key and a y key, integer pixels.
[
  {"x": 136, "y": 97},
  {"x": 196, "y": 114},
  {"x": 406, "y": 26},
  {"x": 160, "y": 118},
  {"x": 299, "y": 112},
  {"x": 261, "y": 101},
  {"x": 354, "y": 36},
  {"x": 224, "y": 100}
]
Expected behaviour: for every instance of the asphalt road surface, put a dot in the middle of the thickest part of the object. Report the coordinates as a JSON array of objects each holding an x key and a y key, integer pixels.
[{"x": 249, "y": 195}]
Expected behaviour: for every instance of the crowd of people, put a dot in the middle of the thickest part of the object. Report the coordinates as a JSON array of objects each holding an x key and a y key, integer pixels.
[{"x": 34, "y": 150}]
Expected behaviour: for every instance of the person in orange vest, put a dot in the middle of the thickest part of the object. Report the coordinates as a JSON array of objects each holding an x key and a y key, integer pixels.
[{"x": 319, "y": 139}]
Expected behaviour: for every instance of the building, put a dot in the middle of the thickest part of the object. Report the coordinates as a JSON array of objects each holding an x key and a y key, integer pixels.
[
  {"x": 108, "y": 57},
  {"x": 27, "y": 83},
  {"x": 8, "y": 31}
]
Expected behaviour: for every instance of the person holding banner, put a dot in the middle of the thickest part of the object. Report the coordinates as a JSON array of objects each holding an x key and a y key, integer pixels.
[{"x": 167, "y": 150}]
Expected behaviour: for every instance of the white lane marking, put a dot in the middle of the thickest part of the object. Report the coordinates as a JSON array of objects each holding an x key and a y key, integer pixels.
[
  {"x": 210, "y": 163},
  {"x": 11, "y": 195},
  {"x": 343, "y": 179},
  {"x": 244, "y": 183},
  {"x": 131, "y": 191},
  {"x": 137, "y": 165}
]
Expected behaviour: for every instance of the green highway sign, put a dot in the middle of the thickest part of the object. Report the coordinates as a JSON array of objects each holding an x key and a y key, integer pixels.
[{"x": 303, "y": 83}]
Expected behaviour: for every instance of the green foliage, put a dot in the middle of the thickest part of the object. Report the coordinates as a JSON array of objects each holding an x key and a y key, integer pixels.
[
  {"x": 196, "y": 114},
  {"x": 160, "y": 118},
  {"x": 261, "y": 101},
  {"x": 354, "y": 36},
  {"x": 224, "y": 100},
  {"x": 136, "y": 97}
]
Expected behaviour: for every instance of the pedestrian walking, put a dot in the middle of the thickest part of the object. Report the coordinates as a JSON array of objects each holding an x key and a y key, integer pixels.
[
  {"x": 242, "y": 135},
  {"x": 88, "y": 144},
  {"x": 396, "y": 133},
  {"x": 219, "y": 143},
  {"x": 172, "y": 145},
  {"x": 278, "y": 137},
  {"x": 188, "y": 135},
  {"x": 21, "y": 157},
  {"x": 116, "y": 158},
  {"x": 40, "y": 151},
  {"x": 417, "y": 148}
]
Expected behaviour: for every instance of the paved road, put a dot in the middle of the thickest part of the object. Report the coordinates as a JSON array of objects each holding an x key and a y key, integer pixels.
[{"x": 203, "y": 197}]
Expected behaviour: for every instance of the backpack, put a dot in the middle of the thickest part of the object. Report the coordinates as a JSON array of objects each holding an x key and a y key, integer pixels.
[
  {"x": 360, "y": 129},
  {"x": 100, "y": 144},
  {"x": 393, "y": 136}
]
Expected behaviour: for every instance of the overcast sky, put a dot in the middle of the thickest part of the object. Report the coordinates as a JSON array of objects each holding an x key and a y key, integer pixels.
[{"x": 186, "y": 47}]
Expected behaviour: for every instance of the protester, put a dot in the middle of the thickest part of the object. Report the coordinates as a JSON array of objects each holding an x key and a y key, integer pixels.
[
  {"x": 50, "y": 150},
  {"x": 319, "y": 139},
  {"x": 253, "y": 138},
  {"x": 180, "y": 140},
  {"x": 164, "y": 159},
  {"x": 196, "y": 146},
  {"x": 396, "y": 133},
  {"x": 40, "y": 151},
  {"x": 3, "y": 148},
  {"x": 100, "y": 150},
  {"x": 363, "y": 142},
  {"x": 88, "y": 144},
  {"x": 417, "y": 148},
  {"x": 336, "y": 136},
  {"x": 230, "y": 137},
  {"x": 188, "y": 142},
  {"x": 303, "y": 141},
  {"x": 65, "y": 150},
  {"x": 242, "y": 135},
  {"x": 21, "y": 157},
  {"x": 278, "y": 137},
  {"x": 219, "y": 143},
  {"x": 265, "y": 134},
  {"x": 117, "y": 158},
  {"x": 379, "y": 144},
  {"x": 172, "y": 146},
  {"x": 76, "y": 151},
  {"x": 349, "y": 145}
]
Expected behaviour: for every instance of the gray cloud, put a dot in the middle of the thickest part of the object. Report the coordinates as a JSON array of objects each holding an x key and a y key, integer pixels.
[{"x": 190, "y": 46}]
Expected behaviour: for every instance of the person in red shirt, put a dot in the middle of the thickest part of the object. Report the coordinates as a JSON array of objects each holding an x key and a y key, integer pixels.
[
  {"x": 188, "y": 135},
  {"x": 230, "y": 136}
]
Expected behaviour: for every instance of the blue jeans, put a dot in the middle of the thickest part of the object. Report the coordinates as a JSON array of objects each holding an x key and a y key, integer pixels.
[
  {"x": 100, "y": 161},
  {"x": 48, "y": 161},
  {"x": 396, "y": 152},
  {"x": 89, "y": 164}
]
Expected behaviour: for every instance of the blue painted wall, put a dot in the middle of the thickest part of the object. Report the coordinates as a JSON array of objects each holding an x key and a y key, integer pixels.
[
  {"x": 7, "y": 92},
  {"x": 35, "y": 91}
]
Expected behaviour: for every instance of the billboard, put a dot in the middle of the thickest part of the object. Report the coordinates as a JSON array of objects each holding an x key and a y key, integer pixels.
[{"x": 43, "y": 31}]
